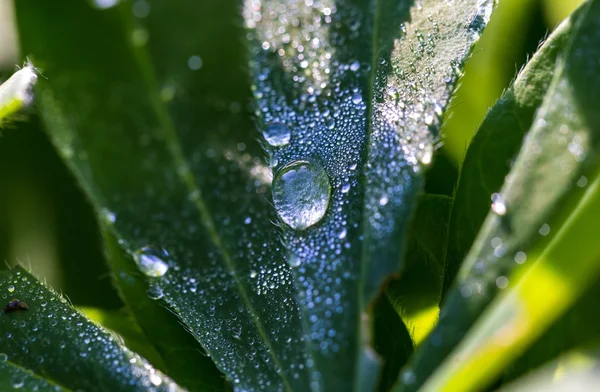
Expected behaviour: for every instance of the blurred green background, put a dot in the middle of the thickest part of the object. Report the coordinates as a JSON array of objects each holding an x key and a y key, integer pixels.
[{"x": 46, "y": 222}]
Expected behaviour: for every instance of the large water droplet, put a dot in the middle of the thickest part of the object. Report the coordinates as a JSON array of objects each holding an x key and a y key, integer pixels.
[
  {"x": 277, "y": 134},
  {"x": 151, "y": 261},
  {"x": 301, "y": 192}
]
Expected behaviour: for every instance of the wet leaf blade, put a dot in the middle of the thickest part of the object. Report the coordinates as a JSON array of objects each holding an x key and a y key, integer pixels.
[
  {"x": 13, "y": 376},
  {"x": 542, "y": 192},
  {"x": 495, "y": 144},
  {"x": 44, "y": 335},
  {"x": 394, "y": 64}
]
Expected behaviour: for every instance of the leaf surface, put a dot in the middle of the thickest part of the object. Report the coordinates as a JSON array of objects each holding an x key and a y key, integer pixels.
[
  {"x": 149, "y": 111},
  {"x": 46, "y": 342}
]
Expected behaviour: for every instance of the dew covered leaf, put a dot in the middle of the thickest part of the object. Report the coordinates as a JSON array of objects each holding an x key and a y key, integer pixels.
[
  {"x": 13, "y": 377},
  {"x": 42, "y": 335},
  {"x": 151, "y": 116},
  {"x": 550, "y": 186},
  {"x": 356, "y": 89},
  {"x": 497, "y": 141}
]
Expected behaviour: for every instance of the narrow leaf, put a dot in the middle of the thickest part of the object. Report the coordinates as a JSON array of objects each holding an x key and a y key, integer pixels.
[
  {"x": 349, "y": 97},
  {"x": 41, "y": 333},
  {"x": 494, "y": 146}
]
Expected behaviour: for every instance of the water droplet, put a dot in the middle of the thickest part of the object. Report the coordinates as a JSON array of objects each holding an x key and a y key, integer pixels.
[
  {"x": 356, "y": 99},
  {"x": 236, "y": 332},
  {"x": 11, "y": 289},
  {"x": 354, "y": 66},
  {"x": 345, "y": 187},
  {"x": 498, "y": 205},
  {"x": 277, "y": 134},
  {"x": 408, "y": 377},
  {"x": 3, "y": 357},
  {"x": 151, "y": 262},
  {"x": 155, "y": 292},
  {"x": 104, "y": 4},
  {"x": 155, "y": 379},
  {"x": 520, "y": 257},
  {"x": 194, "y": 63},
  {"x": 109, "y": 216},
  {"x": 582, "y": 182},
  {"x": 17, "y": 382},
  {"x": 502, "y": 282},
  {"x": 545, "y": 229},
  {"x": 301, "y": 193},
  {"x": 293, "y": 260},
  {"x": 253, "y": 274},
  {"x": 343, "y": 233},
  {"x": 139, "y": 37},
  {"x": 425, "y": 154},
  {"x": 383, "y": 200}
]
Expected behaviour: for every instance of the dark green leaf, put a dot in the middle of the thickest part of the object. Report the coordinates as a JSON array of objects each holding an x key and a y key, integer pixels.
[
  {"x": 359, "y": 88},
  {"x": 42, "y": 333},
  {"x": 544, "y": 203},
  {"x": 15, "y": 377},
  {"x": 497, "y": 141},
  {"x": 150, "y": 115}
]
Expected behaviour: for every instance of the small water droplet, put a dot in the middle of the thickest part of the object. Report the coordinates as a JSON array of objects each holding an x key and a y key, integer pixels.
[
  {"x": 545, "y": 229},
  {"x": 408, "y": 377},
  {"x": 109, "y": 216},
  {"x": 498, "y": 205},
  {"x": 155, "y": 379},
  {"x": 17, "y": 382},
  {"x": 293, "y": 260},
  {"x": 236, "y": 332},
  {"x": 3, "y": 357},
  {"x": 343, "y": 233},
  {"x": 248, "y": 220},
  {"x": 582, "y": 182},
  {"x": 253, "y": 274},
  {"x": 139, "y": 37},
  {"x": 155, "y": 292},
  {"x": 356, "y": 99},
  {"x": 345, "y": 187},
  {"x": 301, "y": 193},
  {"x": 151, "y": 261},
  {"x": 194, "y": 62},
  {"x": 383, "y": 200},
  {"x": 502, "y": 282},
  {"x": 520, "y": 257},
  {"x": 354, "y": 66},
  {"x": 104, "y": 4},
  {"x": 11, "y": 289},
  {"x": 277, "y": 134}
]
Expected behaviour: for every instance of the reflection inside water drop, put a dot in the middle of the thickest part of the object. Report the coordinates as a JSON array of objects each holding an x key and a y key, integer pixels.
[
  {"x": 301, "y": 193},
  {"x": 155, "y": 292},
  {"x": 277, "y": 134},
  {"x": 152, "y": 261}
]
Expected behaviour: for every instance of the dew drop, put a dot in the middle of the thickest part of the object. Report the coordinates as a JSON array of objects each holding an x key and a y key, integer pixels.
[
  {"x": 253, "y": 274},
  {"x": 301, "y": 193},
  {"x": 141, "y": 8},
  {"x": 155, "y": 292},
  {"x": 356, "y": 99},
  {"x": 151, "y": 261},
  {"x": 139, "y": 37},
  {"x": 105, "y": 4},
  {"x": 502, "y": 282},
  {"x": 354, "y": 66},
  {"x": 582, "y": 182},
  {"x": 11, "y": 289},
  {"x": 383, "y": 200},
  {"x": 277, "y": 134},
  {"x": 3, "y": 357},
  {"x": 109, "y": 216},
  {"x": 194, "y": 63},
  {"x": 498, "y": 205},
  {"x": 293, "y": 260},
  {"x": 155, "y": 380},
  {"x": 545, "y": 229},
  {"x": 520, "y": 257},
  {"x": 345, "y": 187}
]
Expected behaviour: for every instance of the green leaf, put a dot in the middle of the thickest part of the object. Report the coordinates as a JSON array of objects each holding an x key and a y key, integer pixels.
[
  {"x": 150, "y": 115},
  {"x": 358, "y": 88},
  {"x": 497, "y": 141},
  {"x": 546, "y": 202},
  {"x": 16, "y": 91},
  {"x": 51, "y": 343},
  {"x": 416, "y": 294},
  {"x": 15, "y": 377}
]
